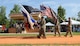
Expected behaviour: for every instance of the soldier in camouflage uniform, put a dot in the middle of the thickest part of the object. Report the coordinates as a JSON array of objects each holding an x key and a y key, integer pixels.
[
  {"x": 57, "y": 29},
  {"x": 69, "y": 28},
  {"x": 42, "y": 28}
]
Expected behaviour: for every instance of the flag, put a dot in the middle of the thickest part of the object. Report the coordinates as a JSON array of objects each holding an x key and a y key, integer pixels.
[
  {"x": 45, "y": 11},
  {"x": 54, "y": 16},
  {"x": 48, "y": 12},
  {"x": 28, "y": 17}
]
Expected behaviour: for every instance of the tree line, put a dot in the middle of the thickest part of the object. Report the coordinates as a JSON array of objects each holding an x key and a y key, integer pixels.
[{"x": 3, "y": 17}]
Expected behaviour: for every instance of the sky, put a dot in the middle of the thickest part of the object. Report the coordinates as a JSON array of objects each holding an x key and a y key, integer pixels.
[{"x": 72, "y": 7}]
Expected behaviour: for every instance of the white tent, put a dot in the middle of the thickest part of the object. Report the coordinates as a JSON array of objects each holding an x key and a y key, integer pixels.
[
  {"x": 0, "y": 25},
  {"x": 74, "y": 22},
  {"x": 49, "y": 24}
]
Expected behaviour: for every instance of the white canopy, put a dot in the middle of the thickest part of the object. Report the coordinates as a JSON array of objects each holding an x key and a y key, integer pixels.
[
  {"x": 74, "y": 22},
  {"x": 49, "y": 24},
  {"x": 0, "y": 25}
]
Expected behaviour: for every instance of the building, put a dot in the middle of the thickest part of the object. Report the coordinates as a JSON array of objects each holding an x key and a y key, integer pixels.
[{"x": 19, "y": 16}]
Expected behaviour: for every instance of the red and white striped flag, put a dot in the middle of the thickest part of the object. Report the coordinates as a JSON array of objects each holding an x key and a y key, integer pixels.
[{"x": 47, "y": 11}]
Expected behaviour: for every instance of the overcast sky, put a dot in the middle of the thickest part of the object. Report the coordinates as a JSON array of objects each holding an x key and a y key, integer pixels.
[{"x": 72, "y": 6}]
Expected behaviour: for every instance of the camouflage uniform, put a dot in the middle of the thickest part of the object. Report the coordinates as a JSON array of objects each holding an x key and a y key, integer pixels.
[
  {"x": 42, "y": 28},
  {"x": 69, "y": 28},
  {"x": 57, "y": 28}
]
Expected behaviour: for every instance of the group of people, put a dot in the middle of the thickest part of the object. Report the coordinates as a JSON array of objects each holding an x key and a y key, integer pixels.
[
  {"x": 19, "y": 27},
  {"x": 42, "y": 29}
]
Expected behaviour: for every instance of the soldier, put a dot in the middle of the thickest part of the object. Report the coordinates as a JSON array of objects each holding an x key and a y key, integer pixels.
[
  {"x": 69, "y": 28},
  {"x": 18, "y": 27},
  {"x": 42, "y": 28},
  {"x": 57, "y": 28}
]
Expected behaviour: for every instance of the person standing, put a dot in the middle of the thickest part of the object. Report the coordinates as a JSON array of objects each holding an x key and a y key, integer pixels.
[
  {"x": 42, "y": 28},
  {"x": 18, "y": 27},
  {"x": 3, "y": 28},
  {"x": 57, "y": 29},
  {"x": 69, "y": 28}
]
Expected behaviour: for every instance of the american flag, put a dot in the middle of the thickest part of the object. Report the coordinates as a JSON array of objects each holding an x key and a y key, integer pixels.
[
  {"x": 47, "y": 11},
  {"x": 54, "y": 16}
]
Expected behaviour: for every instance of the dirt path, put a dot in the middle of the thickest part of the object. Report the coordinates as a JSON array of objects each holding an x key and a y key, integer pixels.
[{"x": 33, "y": 40}]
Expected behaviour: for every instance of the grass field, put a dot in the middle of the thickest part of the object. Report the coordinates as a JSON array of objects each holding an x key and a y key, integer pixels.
[{"x": 33, "y": 34}]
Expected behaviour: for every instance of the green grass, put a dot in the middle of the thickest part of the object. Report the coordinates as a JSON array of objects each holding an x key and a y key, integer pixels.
[
  {"x": 76, "y": 33},
  {"x": 17, "y": 34},
  {"x": 14, "y": 34}
]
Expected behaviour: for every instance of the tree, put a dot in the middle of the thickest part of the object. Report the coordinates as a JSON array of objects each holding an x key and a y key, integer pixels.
[
  {"x": 78, "y": 16},
  {"x": 73, "y": 18},
  {"x": 3, "y": 15},
  {"x": 61, "y": 13},
  {"x": 49, "y": 20},
  {"x": 16, "y": 9},
  {"x": 3, "y": 18}
]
